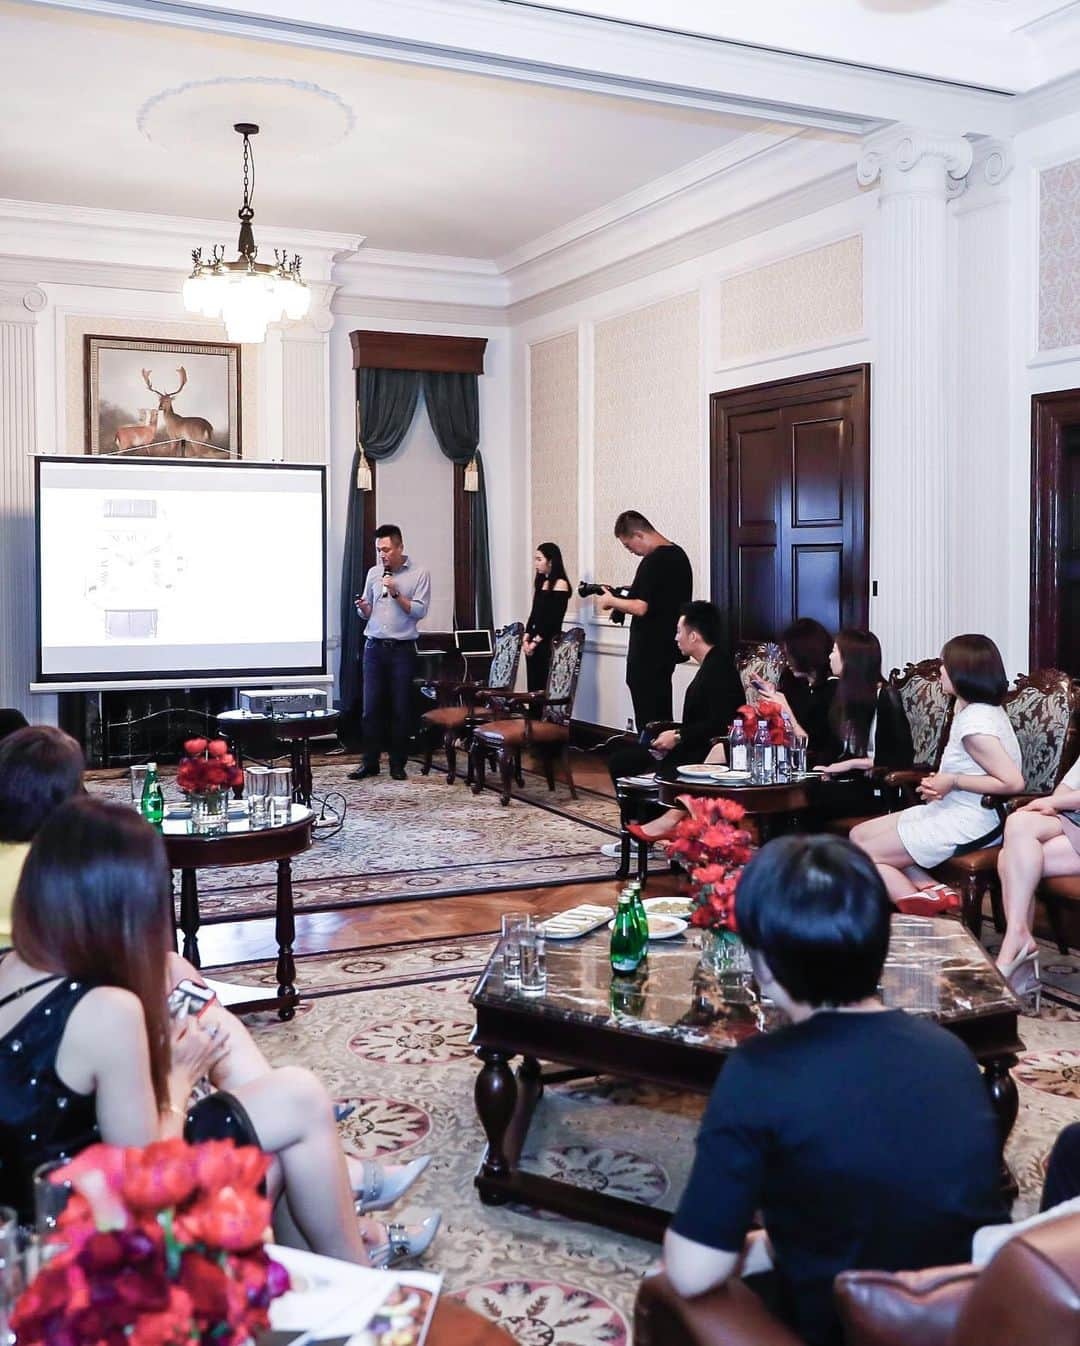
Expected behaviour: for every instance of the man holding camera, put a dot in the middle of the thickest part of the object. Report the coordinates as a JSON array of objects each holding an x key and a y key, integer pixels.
[
  {"x": 396, "y": 596},
  {"x": 663, "y": 584}
]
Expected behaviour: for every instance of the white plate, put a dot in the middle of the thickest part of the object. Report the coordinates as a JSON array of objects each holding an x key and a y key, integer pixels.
[
  {"x": 576, "y": 921},
  {"x": 677, "y": 924},
  {"x": 702, "y": 770}
]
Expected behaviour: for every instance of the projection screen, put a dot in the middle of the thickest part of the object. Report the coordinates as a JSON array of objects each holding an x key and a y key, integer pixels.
[{"x": 162, "y": 570}]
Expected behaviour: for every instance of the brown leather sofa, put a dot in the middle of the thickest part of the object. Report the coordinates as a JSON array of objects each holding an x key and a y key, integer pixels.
[{"x": 1027, "y": 1295}]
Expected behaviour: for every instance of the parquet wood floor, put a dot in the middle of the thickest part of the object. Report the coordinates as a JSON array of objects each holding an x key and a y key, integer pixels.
[{"x": 369, "y": 927}]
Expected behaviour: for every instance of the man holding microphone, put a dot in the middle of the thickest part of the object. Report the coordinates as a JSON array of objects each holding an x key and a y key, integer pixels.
[{"x": 395, "y": 598}]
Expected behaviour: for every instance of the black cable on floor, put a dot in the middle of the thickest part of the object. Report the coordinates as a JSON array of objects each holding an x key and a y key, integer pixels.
[{"x": 324, "y": 805}]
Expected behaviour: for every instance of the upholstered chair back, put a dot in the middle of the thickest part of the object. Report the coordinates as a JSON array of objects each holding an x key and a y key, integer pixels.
[
  {"x": 1042, "y": 710},
  {"x": 566, "y": 652},
  {"x": 766, "y": 659},
  {"x": 928, "y": 708},
  {"x": 504, "y": 662}
]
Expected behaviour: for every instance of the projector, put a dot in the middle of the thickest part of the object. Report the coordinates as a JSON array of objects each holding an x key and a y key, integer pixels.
[{"x": 283, "y": 700}]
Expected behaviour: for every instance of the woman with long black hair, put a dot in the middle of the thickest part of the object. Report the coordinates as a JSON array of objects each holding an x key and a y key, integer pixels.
[
  {"x": 551, "y": 593},
  {"x": 867, "y": 715}
]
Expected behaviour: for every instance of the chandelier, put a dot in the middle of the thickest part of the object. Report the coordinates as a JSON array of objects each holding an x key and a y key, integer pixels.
[{"x": 248, "y": 295}]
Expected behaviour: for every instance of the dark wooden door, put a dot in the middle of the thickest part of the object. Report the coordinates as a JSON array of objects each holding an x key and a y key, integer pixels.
[
  {"x": 1055, "y": 531},
  {"x": 790, "y": 502}
]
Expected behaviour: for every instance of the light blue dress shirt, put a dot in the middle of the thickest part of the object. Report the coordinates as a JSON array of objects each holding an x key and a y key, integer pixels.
[{"x": 388, "y": 620}]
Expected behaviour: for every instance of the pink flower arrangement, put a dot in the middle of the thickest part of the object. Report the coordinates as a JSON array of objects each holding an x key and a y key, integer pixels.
[
  {"x": 209, "y": 765},
  {"x": 158, "y": 1247},
  {"x": 713, "y": 849}
]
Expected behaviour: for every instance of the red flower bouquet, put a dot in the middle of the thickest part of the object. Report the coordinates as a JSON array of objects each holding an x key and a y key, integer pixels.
[
  {"x": 713, "y": 849},
  {"x": 157, "y": 1247},
  {"x": 209, "y": 765}
]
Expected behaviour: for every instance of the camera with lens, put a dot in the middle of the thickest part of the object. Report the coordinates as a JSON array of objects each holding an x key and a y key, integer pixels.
[{"x": 587, "y": 590}]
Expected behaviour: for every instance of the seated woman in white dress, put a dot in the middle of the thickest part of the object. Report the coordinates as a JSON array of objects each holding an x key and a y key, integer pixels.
[
  {"x": 982, "y": 757},
  {"x": 1042, "y": 841}
]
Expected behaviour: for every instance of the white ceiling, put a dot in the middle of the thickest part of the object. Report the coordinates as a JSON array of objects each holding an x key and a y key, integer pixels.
[{"x": 416, "y": 159}]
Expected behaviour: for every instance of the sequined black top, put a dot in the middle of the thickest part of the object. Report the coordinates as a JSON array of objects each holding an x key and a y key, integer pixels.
[{"x": 41, "y": 1119}]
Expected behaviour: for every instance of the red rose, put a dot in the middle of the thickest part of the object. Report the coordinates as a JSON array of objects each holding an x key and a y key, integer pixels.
[
  {"x": 207, "y": 1287},
  {"x": 222, "y": 1163},
  {"x": 228, "y": 759},
  {"x": 159, "y": 1176},
  {"x": 194, "y": 746},
  {"x": 171, "y": 1327},
  {"x": 217, "y": 747},
  {"x": 230, "y": 1219}
]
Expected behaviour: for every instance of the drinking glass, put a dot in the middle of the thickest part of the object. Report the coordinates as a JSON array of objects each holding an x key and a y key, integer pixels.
[
  {"x": 50, "y": 1200},
  {"x": 532, "y": 961},
  {"x": 256, "y": 781},
  {"x": 138, "y": 780},
  {"x": 799, "y": 745},
  {"x": 514, "y": 924},
  {"x": 279, "y": 793}
]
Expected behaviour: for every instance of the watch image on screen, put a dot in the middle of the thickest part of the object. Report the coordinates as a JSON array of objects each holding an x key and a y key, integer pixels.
[{"x": 135, "y": 565}]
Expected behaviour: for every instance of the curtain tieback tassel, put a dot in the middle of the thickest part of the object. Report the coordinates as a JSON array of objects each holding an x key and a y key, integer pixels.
[
  {"x": 472, "y": 475},
  {"x": 363, "y": 473}
]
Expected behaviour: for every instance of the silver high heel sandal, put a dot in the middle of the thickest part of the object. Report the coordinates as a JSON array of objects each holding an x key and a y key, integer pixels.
[
  {"x": 1022, "y": 975},
  {"x": 403, "y": 1241},
  {"x": 379, "y": 1188}
]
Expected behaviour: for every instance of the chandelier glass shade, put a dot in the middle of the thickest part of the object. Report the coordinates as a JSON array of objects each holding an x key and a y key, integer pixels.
[{"x": 247, "y": 294}]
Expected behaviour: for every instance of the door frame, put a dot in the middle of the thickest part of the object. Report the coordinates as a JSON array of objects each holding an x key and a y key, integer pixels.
[
  {"x": 1051, "y": 415},
  {"x": 852, "y": 380}
]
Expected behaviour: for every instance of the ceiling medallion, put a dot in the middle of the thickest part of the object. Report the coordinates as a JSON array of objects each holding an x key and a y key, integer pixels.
[{"x": 248, "y": 295}]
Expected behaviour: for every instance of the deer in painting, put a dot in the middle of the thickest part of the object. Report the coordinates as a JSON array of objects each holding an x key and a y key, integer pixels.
[
  {"x": 130, "y": 437},
  {"x": 195, "y": 428}
]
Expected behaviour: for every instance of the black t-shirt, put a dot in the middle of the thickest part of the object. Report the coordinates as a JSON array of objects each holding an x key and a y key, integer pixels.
[
  {"x": 866, "y": 1140},
  {"x": 665, "y": 581}
]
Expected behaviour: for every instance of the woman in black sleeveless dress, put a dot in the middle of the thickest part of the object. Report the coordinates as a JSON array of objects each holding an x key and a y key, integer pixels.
[
  {"x": 551, "y": 593},
  {"x": 88, "y": 1052}
]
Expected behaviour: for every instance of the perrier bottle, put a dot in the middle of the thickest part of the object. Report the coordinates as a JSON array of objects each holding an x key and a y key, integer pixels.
[
  {"x": 627, "y": 945},
  {"x": 152, "y": 804},
  {"x": 641, "y": 916}
]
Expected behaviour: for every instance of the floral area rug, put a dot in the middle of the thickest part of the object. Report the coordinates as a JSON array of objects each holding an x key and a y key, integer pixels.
[
  {"x": 403, "y": 1061},
  {"x": 417, "y": 838}
]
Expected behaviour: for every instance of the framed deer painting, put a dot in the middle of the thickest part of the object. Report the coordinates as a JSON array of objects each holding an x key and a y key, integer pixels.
[{"x": 162, "y": 399}]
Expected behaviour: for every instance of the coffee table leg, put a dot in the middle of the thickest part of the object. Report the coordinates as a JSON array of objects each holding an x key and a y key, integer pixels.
[
  {"x": 496, "y": 1102},
  {"x": 1002, "y": 1089},
  {"x": 189, "y": 915},
  {"x": 285, "y": 933}
]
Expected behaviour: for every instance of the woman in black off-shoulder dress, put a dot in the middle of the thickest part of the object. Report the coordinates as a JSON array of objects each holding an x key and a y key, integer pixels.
[{"x": 551, "y": 593}]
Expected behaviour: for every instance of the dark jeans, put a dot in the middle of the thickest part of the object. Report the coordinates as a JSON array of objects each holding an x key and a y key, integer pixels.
[
  {"x": 650, "y": 690},
  {"x": 1062, "y": 1180},
  {"x": 389, "y": 669}
]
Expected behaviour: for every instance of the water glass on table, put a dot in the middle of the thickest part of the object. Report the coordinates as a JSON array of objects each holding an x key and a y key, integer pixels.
[
  {"x": 799, "y": 745},
  {"x": 514, "y": 925},
  {"x": 532, "y": 961},
  {"x": 12, "y": 1270},
  {"x": 50, "y": 1201},
  {"x": 138, "y": 780},
  {"x": 279, "y": 793},
  {"x": 256, "y": 784}
]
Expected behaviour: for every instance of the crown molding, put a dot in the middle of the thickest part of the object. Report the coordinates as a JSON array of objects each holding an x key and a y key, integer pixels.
[
  {"x": 417, "y": 310},
  {"x": 571, "y": 50},
  {"x": 1059, "y": 98}
]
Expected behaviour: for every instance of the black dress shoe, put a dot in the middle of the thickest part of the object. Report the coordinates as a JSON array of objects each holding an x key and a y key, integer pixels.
[
  {"x": 363, "y": 772},
  {"x": 398, "y": 773}
]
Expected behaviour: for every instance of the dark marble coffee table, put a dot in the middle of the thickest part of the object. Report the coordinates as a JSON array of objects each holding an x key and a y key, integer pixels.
[{"x": 675, "y": 1025}]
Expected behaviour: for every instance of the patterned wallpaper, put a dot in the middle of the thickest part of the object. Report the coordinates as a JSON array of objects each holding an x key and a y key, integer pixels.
[
  {"x": 806, "y": 300},
  {"x": 75, "y": 395},
  {"x": 1059, "y": 256},
  {"x": 553, "y": 438},
  {"x": 647, "y": 429}
]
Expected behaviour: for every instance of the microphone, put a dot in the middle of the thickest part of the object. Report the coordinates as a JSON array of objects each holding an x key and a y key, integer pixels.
[{"x": 385, "y": 575}]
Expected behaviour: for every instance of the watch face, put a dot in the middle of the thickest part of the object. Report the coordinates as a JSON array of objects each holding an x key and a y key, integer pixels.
[{"x": 135, "y": 566}]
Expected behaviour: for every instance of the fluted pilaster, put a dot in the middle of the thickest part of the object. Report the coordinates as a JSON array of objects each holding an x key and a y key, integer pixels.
[
  {"x": 18, "y": 309},
  {"x": 918, "y": 172}
]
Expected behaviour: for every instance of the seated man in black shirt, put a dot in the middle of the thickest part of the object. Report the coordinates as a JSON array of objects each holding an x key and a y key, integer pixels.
[
  {"x": 864, "y": 1136},
  {"x": 709, "y": 706},
  {"x": 663, "y": 583}
]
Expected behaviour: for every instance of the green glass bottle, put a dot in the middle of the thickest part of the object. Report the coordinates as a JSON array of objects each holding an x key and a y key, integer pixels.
[
  {"x": 627, "y": 946},
  {"x": 152, "y": 804},
  {"x": 627, "y": 996},
  {"x": 641, "y": 916}
]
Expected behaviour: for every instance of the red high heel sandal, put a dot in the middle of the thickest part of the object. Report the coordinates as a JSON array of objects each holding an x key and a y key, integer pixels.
[
  {"x": 639, "y": 834},
  {"x": 937, "y": 900}
]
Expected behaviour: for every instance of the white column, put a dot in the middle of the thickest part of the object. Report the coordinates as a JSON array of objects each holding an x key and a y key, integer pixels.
[
  {"x": 305, "y": 382},
  {"x": 911, "y": 386},
  {"x": 19, "y": 306}
]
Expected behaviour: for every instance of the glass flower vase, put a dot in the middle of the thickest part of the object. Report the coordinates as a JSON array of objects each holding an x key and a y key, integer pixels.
[
  {"x": 723, "y": 951},
  {"x": 209, "y": 812}
]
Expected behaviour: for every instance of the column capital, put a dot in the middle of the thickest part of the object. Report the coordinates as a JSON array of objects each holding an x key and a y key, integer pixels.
[
  {"x": 21, "y": 303},
  {"x": 911, "y": 161}
]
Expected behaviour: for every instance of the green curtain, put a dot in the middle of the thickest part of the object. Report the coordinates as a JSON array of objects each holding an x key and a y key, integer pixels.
[
  {"x": 386, "y": 399},
  {"x": 453, "y": 406}
]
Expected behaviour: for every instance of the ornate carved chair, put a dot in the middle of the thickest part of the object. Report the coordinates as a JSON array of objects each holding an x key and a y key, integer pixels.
[
  {"x": 1042, "y": 710},
  {"x": 766, "y": 659},
  {"x": 542, "y": 726},
  {"x": 455, "y": 720}
]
